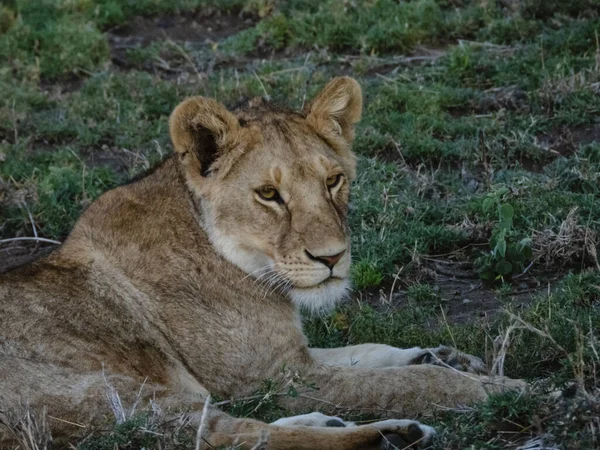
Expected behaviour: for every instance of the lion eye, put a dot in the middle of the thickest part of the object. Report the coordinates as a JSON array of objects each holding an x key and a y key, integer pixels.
[
  {"x": 333, "y": 180},
  {"x": 269, "y": 193}
]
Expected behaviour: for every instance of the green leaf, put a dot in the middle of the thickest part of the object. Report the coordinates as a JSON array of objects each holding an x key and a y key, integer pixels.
[
  {"x": 501, "y": 192},
  {"x": 292, "y": 392},
  {"x": 525, "y": 243},
  {"x": 488, "y": 204},
  {"x": 513, "y": 253},
  {"x": 507, "y": 211},
  {"x": 501, "y": 247},
  {"x": 505, "y": 224},
  {"x": 487, "y": 275},
  {"x": 504, "y": 267}
]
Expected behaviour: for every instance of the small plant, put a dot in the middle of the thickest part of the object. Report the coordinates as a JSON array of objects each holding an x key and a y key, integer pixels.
[
  {"x": 366, "y": 274},
  {"x": 508, "y": 253},
  {"x": 422, "y": 294}
]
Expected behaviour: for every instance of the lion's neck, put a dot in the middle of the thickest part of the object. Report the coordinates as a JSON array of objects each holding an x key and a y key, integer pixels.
[{"x": 153, "y": 232}]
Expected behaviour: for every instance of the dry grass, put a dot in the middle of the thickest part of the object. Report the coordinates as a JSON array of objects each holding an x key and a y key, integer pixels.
[
  {"x": 571, "y": 244},
  {"x": 29, "y": 429}
]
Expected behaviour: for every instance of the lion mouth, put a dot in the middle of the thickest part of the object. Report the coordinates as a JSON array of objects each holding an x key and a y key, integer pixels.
[
  {"x": 332, "y": 279},
  {"x": 323, "y": 296}
]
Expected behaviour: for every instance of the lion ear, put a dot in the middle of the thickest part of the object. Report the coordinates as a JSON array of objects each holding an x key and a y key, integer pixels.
[
  {"x": 201, "y": 129},
  {"x": 337, "y": 108}
]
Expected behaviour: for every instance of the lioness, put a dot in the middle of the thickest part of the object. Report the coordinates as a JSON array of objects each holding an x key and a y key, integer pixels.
[{"x": 192, "y": 278}]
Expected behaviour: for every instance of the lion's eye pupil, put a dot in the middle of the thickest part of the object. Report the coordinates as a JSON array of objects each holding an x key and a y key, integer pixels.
[
  {"x": 333, "y": 180},
  {"x": 268, "y": 193}
]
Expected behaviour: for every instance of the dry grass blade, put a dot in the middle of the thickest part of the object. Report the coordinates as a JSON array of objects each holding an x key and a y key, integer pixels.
[
  {"x": 538, "y": 443},
  {"x": 202, "y": 426},
  {"x": 572, "y": 243},
  {"x": 501, "y": 345},
  {"x": 114, "y": 400},
  {"x": 29, "y": 430},
  {"x": 37, "y": 239}
]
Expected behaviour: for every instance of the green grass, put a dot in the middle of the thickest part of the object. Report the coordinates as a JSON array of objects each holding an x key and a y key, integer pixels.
[{"x": 507, "y": 113}]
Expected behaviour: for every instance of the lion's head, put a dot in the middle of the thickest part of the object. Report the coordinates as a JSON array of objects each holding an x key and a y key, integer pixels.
[{"x": 273, "y": 186}]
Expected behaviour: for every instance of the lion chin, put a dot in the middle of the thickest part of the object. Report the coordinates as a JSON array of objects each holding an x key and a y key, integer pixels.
[{"x": 323, "y": 297}]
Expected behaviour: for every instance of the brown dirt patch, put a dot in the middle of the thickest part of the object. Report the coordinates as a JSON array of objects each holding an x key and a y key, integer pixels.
[
  {"x": 461, "y": 294},
  {"x": 196, "y": 26},
  {"x": 116, "y": 159},
  {"x": 465, "y": 298},
  {"x": 564, "y": 141},
  {"x": 196, "y": 29},
  {"x": 57, "y": 88},
  {"x": 16, "y": 254}
]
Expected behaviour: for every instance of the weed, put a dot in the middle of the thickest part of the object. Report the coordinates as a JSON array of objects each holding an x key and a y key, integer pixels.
[
  {"x": 366, "y": 274},
  {"x": 508, "y": 253}
]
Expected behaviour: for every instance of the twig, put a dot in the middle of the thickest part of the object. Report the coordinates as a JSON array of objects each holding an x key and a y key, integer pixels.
[
  {"x": 524, "y": 271},
  {"x": 202, "y": 425},
  {"x": 242, "y": 399},
  {"x": 137, "y": 399},
  {"x": 146, "y": 430},
  {"x": 459, "y": 409},
  {"x": 67, "y": 421},
  {"x": 394, "y": 283},
  {"x": 498, "y": 365},
  {"x": 35, "y": 233},
  {"x": 447, "y": 328},
  {"x": 114, "y": 400},
  {"x": 38, "y": 239},
  {"x": 267, "y": 96}
]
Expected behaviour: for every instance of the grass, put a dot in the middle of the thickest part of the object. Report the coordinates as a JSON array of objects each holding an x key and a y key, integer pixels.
[{"x": 479, "y": 160}]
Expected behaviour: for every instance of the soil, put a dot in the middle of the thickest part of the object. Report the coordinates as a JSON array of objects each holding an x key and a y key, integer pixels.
[
  {"x": 565, "y": 141},
  {"x": 56, "y": 89},
  {"x": 465, "y": 298},
  {"x": 19, "y": 253},
  {"x": 192, "y": 27},
  {"x": 116, "y": 159},
  {"x": 199, "y": 29},
  {"x": 462, "y": 295}
]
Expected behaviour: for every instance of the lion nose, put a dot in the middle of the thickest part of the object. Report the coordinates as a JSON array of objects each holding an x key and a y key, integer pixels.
[{"x": 329, "y": 261}]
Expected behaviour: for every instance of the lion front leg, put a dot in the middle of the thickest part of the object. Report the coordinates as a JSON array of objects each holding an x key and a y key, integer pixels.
[
  {"x": 380, "y": 355},
  {"x": 407, "y": 391},
  {"x": 316, "y": 431}
]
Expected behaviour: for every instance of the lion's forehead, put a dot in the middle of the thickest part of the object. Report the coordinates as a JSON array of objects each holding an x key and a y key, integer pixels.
[
  {"x": 283, "y": 153},
  {"x": 285, "y": 169}
]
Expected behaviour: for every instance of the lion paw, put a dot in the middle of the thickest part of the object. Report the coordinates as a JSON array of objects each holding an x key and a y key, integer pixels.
[
  {"x": 314, "y": 419},
  {"x": 403, "y": 434},
  {"x": 495, "y": 383},
  {"x": 450, "y": 357},
  {"x": 384, "y": 435}
]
